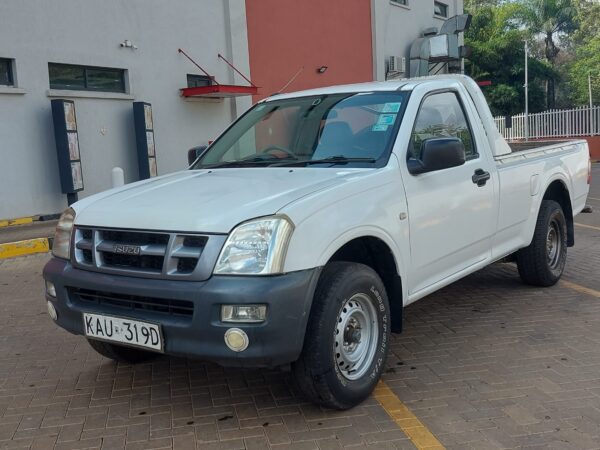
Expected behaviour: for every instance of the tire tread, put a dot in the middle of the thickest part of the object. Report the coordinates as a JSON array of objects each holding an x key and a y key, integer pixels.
[
  {"x": 532, "y": 260},
  {"x": 308, "y": 372}
]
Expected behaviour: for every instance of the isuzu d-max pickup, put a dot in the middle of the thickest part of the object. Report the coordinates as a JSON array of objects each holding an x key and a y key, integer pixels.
[{"x": 299, "y": 235}]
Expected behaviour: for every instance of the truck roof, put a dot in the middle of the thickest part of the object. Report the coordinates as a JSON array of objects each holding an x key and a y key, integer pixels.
[{"x": 405, "y": 84}]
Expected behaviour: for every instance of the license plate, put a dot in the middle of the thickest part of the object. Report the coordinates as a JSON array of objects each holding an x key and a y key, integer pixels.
[{"x": 124, "y": 331}]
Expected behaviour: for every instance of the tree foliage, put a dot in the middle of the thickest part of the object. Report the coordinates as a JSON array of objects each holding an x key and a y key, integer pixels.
[
  {"x": 497, "y": 40},
  {"x": 564, "y": 37},
  {"x": 585, "y": 46},
  {"x": 549, "y": 19}
]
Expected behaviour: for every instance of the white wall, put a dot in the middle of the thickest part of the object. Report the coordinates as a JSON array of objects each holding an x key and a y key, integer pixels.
[
  {"x": 88, "y": 32},
  {"x": 396, "y": 27}
]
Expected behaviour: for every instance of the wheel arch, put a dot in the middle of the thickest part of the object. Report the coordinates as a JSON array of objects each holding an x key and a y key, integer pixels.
[
  {"x": 374, "y": 252},
  {"x": 557, "y": 190}
]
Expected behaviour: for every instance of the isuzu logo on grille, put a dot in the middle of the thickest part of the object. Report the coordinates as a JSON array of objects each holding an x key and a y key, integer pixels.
[{"x": 124, "y": 249}]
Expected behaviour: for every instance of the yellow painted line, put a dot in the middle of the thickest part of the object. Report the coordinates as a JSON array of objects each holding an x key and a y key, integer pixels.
[
  {"x": 416, "y": 431},
  {"x": 19, "y": 221},
  {"x": 21, "y": 248},
  {"x": 587, "y": 226},
  {"x": 582, "y": 289}
]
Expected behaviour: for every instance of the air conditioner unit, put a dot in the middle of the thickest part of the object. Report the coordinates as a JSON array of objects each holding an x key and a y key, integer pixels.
[{"x": 397, "y": 64}]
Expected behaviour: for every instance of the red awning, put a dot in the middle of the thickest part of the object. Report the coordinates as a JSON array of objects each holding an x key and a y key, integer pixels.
[{"x": 218, "y": 91}]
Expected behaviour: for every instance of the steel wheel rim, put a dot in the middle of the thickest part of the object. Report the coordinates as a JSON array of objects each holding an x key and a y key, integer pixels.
[
  {"x": 356, "y": 333},
  {"x": 553, "y": 244}
]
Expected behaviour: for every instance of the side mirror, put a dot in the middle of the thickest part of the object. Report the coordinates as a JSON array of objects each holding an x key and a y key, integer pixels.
[
  {"x": 438, "y": 154},
  {"x": 195, "y": 153}
]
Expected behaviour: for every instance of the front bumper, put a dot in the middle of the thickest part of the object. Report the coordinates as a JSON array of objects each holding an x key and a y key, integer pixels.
[{"x": 275, "y": 342}]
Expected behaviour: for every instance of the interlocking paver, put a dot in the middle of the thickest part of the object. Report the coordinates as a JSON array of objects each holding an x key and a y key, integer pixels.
[{"x": 485, "y": 363}]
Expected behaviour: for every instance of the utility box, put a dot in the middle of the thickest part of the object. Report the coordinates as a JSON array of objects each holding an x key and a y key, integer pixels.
[
  {"x": 67, "y": 146},
  {"x": 144, "y": 136}
]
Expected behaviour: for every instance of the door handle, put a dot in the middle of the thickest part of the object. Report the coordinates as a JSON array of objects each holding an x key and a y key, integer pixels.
[{"x": 480, "y": 177}]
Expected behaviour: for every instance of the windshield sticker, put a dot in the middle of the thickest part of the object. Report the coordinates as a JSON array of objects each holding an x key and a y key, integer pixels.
[
  {"x": 379, "y": 127},
  {"x": 386, "y": 119},
  {"x": 317, "y": 102},
  {"x": 391, "y": 107}
]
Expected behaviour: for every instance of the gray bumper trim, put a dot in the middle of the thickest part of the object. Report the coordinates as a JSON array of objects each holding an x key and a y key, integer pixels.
[{"x": 275, "y": 342}]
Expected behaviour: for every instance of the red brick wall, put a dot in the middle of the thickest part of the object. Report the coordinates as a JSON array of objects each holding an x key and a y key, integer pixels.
[
  {"x": 594, "y": 143},
  {"x": 283, "y": 36}
]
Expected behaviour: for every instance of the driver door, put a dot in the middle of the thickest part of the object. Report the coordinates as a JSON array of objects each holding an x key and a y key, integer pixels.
[{"x": 451, "y": 218}]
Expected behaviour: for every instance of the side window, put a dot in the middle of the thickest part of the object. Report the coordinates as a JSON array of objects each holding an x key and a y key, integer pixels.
[{"x": 441, "y": 115}]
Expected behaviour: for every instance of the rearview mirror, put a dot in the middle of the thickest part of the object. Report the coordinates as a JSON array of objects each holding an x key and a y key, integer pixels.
[
  {"x": 438, "y": 154},
  {"x": 196, "y": 152}
]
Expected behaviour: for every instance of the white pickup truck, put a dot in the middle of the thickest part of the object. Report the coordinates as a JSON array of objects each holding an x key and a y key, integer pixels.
[{"x": 302, "y": 232}]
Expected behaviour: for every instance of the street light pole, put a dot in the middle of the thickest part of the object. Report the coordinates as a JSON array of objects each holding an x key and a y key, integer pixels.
[
  {"x": 526, "y": 91},
  {"x": 590, "y": 89},
  {"x": 592, "y": 124}
]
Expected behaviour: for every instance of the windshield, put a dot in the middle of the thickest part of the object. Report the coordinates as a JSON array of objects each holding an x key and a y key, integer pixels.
[{"x": 325, "y": 130}]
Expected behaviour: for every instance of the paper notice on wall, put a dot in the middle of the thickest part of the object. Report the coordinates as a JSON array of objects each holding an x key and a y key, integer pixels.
[
  {"x": 150, "y": 143},
  {"x": 77, "y": 175},
  {"x": 148, "y": 117},
  {"x": 73, "y": 146},
  {"x": 70, "y": 120}
]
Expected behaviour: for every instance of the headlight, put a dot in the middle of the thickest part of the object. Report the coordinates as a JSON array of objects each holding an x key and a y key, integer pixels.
[
  {"x": 61, "y": 248},
  {"x": 256, "y": 247}
]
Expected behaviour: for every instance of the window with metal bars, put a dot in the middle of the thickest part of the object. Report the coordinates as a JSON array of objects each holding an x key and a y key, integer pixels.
[{"x": 86, "y": 78}]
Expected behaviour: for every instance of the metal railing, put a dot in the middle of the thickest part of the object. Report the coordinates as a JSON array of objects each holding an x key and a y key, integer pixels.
[{"x": 582, "y": 121}]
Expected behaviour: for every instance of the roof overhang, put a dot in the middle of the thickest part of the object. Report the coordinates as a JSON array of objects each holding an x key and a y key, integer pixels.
[{"x": 218, "y": 91}]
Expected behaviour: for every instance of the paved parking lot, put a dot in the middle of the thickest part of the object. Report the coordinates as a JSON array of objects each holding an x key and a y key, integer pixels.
[{"x": 485, "y": 363}]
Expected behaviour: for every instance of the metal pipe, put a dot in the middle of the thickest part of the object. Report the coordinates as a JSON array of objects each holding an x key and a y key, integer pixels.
[
  {"x": 237, "y": 71},
  {"x": 198, "y": 66},
  {"x": 526, "y": 91}
]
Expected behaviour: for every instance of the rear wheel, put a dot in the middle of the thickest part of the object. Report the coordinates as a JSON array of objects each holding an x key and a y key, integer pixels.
[
  {"x": 347, "y": 338},
  {"x": 121, "y": 353},
  {"x": 543, "y": 261}
]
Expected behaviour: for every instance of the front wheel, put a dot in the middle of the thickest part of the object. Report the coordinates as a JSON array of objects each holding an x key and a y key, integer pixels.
[
  {"x": 347, "y": 338},
  {"x": 543, "y": 261}
]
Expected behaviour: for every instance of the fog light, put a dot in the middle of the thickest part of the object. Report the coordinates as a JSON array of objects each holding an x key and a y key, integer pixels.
[
  {"x": 243, "y": 313},
  {"x": 236, "y": 339},
  {"x": 52, "y": 311},
  {"x": 50, "y": 289}
]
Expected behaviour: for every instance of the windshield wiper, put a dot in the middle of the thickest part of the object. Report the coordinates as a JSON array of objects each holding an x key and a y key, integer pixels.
[
  {"x": 331, "y": 160},
  {"x": 244, "y": 162}
]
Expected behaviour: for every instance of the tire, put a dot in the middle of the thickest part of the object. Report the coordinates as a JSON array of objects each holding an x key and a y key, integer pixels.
[
  {"x": 121, "y": 353},
  {"x": 353, "y": 296},
  {"x": 543, "y": 261}
]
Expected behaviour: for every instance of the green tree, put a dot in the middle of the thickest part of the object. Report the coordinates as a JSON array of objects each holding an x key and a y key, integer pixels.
[
  {"x": 585, "y": 68},
  {"x": 588, "y": 21},
  {"x": 550, "y": 18},
  {"x": 497, "y": 39},
  {"x": 585, "y": 46}
]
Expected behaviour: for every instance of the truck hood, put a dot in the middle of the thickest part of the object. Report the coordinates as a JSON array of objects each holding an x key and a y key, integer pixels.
[{"x": 203, "y": 200}]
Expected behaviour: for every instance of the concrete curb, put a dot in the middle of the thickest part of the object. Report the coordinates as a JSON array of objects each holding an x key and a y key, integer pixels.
[
  {"x": 17, "y": 221},
  {"x": 26, "y": 247}
]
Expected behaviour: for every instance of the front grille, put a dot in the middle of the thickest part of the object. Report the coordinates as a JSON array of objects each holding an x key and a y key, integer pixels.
[
  {"x": 87, "y": 297},
  {"x": 143, "y": 253},
  {"x": 135, "y": 237},
  {"x": 144, "y": 262}
]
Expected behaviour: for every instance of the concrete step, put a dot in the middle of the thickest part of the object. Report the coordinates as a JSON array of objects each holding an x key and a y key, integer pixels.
[{"x": 33, "y": 230}]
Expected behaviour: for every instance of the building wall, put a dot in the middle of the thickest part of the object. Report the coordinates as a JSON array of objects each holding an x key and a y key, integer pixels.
[
  {"x": 285, "y": 37},
  {"x": 396, "y": 27},
  {"x": 88, "y": 33},
  {"x": 269, "y": 39}
]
